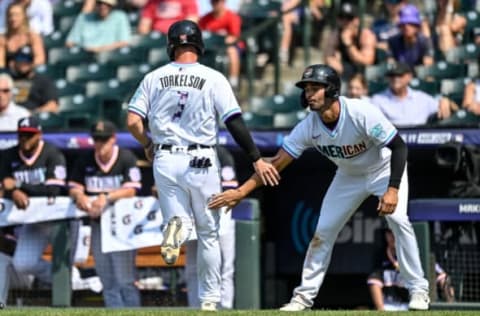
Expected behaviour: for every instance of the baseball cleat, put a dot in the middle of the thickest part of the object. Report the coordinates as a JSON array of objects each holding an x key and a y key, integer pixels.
[
  {"x": 293, "y": 306},
  {"x": 171, "y": 240},
  {"x": 209, "y": 306},
  {"x": 419, "y": 301}
]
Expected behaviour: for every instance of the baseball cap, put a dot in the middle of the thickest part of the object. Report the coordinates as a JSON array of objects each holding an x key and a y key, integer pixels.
[
  {"x": 29, "y": 125},
  {"x": 399, "y": 68},
  {"x": 103, "y": 129},
  {"x": 348, "y": 10},
  {"x": 109, "y": 2},
  {"x": 24, "y": 54},
  {"x": 409, "y": 14}
]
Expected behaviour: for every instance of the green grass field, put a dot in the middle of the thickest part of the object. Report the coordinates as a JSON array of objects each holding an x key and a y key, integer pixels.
[{"x": 187, "y": 312}]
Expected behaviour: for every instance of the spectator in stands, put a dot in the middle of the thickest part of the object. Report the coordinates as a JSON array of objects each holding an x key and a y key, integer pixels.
[
  {"x": 227, "y": 243},
  {"x": 350, "y": 48},
  {"x": 293, "y": 17},
  {"x": 33, "y": 168},
  {"x": 126, "y": 5},
  {"x": 448, "y": 26},
  {"x": 386, "y": 26},
  {"x": 18, "y": 35},
  {"x": 158, "y": 15},
  {"x": 39, "y": 12},
  {"x": 387, "y": 287},
  {"x": 410, "y": 45},
  {"x": 99, "y": 179},
  {"x": 358, "y": 87},
  {"x": 225, "y": 22},
  {"x": 105, "y": 29},
  {"x": 10, "y": 112},
  {"x": 405, "y": 106},
  {"x": 34, "y": 91},
  {"x": 471, "y": 95}
]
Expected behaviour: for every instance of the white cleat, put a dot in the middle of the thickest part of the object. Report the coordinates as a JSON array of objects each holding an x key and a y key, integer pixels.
[
  {"x": 419, "y": 301},
  {"x": 171, "y": 240},
  {"x": 209, "y": 306},
  {"x": 293, "y": 306}
]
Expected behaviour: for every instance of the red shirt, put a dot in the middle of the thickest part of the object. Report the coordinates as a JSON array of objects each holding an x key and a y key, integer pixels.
[
  {"x": 164, "y": 13},
  {"x": 229, "y": 23}
]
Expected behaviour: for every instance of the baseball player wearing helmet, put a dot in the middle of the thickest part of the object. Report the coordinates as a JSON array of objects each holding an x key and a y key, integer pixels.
[
  {"x": 181, "y": 101},
  {"x": 371, "y": 159}
]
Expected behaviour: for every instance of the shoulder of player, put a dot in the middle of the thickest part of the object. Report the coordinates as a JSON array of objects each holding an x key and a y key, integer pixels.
[
  {"x": 126, "y": 154},
  {"x": 357, "y": 107},
  {"x": 50, "y": 149}
]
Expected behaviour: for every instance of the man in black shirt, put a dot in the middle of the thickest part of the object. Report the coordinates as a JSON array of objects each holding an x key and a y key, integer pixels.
[
  {"x": 33, "y": 168},
  {"x": 36, "y": 92},
  {"x": 98, "y": 179}
]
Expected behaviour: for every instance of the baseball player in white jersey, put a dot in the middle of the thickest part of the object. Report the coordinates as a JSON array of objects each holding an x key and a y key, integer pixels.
[
  {"x": 371, "y": 159},
  {"x": 182, "y": 102}
]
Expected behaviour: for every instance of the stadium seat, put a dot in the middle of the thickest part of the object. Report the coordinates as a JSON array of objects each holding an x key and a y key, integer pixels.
[
  {"x": 463, "y": 54},
  {"x": 376, "y": 87},
  {"x": 376, "y": 72},
  {"x": 133, "y": 18},
  {"x": 123, "y": 56},
  {"x": 454, "y": 89},
  {"x": 67, "y": 8},
  {"x": 472, "y": 69},
  {"x": 461, "y": 118},
  {"x": 79, "y": 103},
  {"x": 150, "y": 40},
  {"x": 54, "y": 71},
  {"x": 51, "y": 121},
  {"x": 55, "y": 39},
  {"x": 65, "y": 23},
  {"x": 213, "y": 41},
  {"x": 473, "y": 22},
  {"x": 288, "y": 119},
  {"x": 80, "y": 111},
  {"x": 440, "y": 70},
  {"x": 66, "y": 88},
  {"x": 90, "y": 72},
  {"x": 275, "y": 104},
  {"x": 110, "y": 89},
  {"x": 430, "y": 87},
  {"x": 133, "y": 72},
  {"x": 381, "y": 56},
  {"x": 216, "y": 60},
  {"x": 158, "y": 56},
  {"x": 69, "y": 56},
  {"x": 258, "y": 121}
]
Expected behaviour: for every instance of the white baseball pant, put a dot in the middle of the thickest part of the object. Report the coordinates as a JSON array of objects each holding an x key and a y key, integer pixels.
[
  {"x": 343, "y": 197},
  {"x": 184, "y": 191}
]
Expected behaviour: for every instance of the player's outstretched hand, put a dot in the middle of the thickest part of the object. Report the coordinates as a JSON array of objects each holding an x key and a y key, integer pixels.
[
  {"x": 267, "y": 172},
  {"x": 388, "y": 202},
  {"x": 228, "y": 199}
]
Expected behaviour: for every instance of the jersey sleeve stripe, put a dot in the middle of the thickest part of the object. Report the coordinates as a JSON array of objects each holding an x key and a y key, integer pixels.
[
  {"x": 55, "y": 182},
  {"x": 73, "y": 184},
  {"x": 231, "y": 113},
  {"x": 135, "y": 185},
  {"x": 136, "y": 110},
  {"x": 389, "y": 138},
  {"x": 290, "y": 151}
]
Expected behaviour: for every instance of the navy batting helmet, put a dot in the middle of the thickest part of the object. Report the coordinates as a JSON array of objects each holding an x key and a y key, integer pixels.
[
  {"x": 323, "y": 74},
  {"x": 184, "y": 32}
]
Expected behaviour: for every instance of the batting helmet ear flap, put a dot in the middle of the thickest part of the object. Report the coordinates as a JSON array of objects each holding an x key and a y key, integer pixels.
[{"x": 303, "y": 100}]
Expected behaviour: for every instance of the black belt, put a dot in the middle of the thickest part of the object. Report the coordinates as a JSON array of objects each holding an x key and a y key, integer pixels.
[{"x": 189, "y": 147}]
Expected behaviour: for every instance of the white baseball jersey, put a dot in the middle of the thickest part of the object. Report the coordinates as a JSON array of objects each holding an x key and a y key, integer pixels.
[
  {"x": 353, "y": 144},
  {"x": 182, "y": 101}
]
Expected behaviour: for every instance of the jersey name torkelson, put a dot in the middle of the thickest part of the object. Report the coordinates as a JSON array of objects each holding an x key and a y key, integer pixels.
[
  {"x": 345, "y": 151},
  {"x": 182, "y": 81}
]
